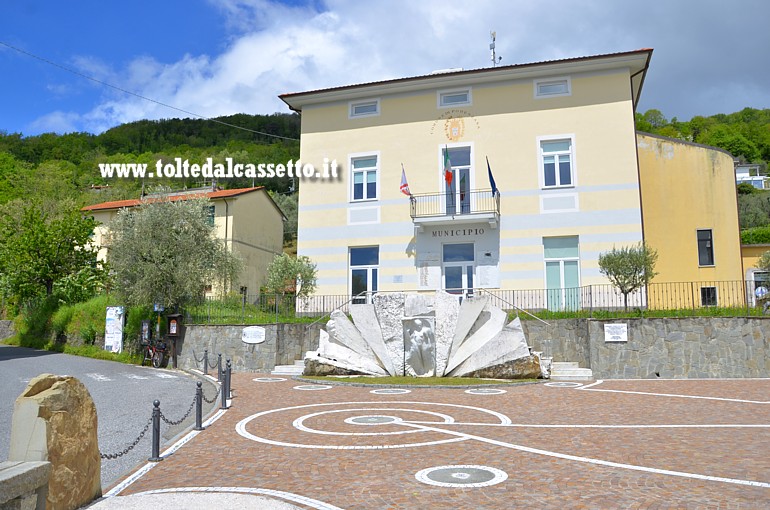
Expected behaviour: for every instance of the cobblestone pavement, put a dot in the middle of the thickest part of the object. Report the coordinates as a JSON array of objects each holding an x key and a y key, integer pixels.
[{"x": 638, "y": 444}]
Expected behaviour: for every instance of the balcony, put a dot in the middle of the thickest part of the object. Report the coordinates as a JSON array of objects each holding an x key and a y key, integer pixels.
[{"x": 442, "y": 208}]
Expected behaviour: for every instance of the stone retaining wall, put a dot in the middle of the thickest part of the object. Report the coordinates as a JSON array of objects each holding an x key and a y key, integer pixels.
[
  {"x": 283, "y": 344},
  {"x": 696, "y": 347},
  {"x": 6, "y": 329}
]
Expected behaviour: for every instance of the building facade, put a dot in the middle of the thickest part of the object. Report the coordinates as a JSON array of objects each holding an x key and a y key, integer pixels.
[
  {"x": 518, "y": 178},
  {"x": 247, "y": 220}
]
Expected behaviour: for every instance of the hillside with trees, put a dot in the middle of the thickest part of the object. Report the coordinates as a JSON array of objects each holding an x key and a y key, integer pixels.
[{"x": 46, "y": 179}]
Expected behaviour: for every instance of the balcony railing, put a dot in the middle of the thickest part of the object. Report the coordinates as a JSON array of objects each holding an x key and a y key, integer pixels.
[{"x": 436, "y": 205}]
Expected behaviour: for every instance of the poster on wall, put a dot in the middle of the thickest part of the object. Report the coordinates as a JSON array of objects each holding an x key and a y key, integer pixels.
[{"x": 113, "y": 329}]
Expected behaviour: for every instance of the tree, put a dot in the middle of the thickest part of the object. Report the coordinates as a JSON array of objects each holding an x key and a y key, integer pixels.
[
  {"x": 285, "y": 273},
  {"x": 629, "y": 268},
  {"x": 41, "y": 253},
  {"x": 165, "y": 252}
]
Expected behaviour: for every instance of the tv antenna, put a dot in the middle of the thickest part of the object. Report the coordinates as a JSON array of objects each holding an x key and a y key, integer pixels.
[{"x": 495, "y": 58}]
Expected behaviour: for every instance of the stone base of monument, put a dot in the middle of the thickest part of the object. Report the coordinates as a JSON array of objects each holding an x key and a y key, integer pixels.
[
  {"x": 317, "y": 367},
  {"x": 522, "y": 368}
]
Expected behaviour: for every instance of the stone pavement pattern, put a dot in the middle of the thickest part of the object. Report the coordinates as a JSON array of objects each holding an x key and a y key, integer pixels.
[{"x": 615, "y": 444}]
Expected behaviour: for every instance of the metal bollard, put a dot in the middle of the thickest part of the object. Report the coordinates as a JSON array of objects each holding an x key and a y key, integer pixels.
[
  {"x": 155, "y": 433},
  {"x": 205, "y": 362},
  {"x": 229, "y": 380},
  {"x": 199, "y": 406},
  {"x": 222, "y": 388},
  {"x": 220, "y": 369}
]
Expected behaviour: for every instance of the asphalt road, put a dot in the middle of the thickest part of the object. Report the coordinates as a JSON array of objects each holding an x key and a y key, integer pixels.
[{"x": 123, "y": 395}]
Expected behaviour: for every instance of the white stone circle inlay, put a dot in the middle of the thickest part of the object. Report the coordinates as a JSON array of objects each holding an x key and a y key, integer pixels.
[
  {"x": 461, "y": 476},
  {"x": 269, "y": 379},
  {"x": 485, "y": 391},
  {"x": 313, "y": 387},
  {"x": 391, "y": 391},
  {"x": 563, "y": 384}
]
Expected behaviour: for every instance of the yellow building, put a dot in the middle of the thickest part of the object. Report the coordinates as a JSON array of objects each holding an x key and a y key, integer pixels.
[
  {"x": 520, "y": 176},
  {"x": 245, "y": 219}
]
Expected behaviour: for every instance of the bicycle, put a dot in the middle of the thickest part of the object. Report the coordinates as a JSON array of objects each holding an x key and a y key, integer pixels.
[{"x": 155, "y": 352}]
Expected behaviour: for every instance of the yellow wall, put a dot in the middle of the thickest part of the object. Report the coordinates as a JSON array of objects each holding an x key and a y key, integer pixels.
[
  {"x": 687, "y": 187},
  {"x": 256, "y": 235},
  {"x": 750, "y": 255},
  {"x": 503, "y": 123}
]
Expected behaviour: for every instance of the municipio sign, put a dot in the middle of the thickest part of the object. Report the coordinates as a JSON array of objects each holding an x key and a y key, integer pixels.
[{"x": 253, "y": 335}]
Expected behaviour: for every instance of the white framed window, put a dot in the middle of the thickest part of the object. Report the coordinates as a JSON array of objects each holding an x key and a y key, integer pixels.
[
  {"x": 557, "y": 161},
  {"x": 364, "y": 265},
  {"x": 457, "y": 97},
  {"x": 368, "y": 108},
  {"x": 364, "y": 177},
  {"x": 553, "y": 87}
]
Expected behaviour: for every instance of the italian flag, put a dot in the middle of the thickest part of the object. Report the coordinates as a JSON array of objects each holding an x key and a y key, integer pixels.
[{"x": 447, "y": 168}]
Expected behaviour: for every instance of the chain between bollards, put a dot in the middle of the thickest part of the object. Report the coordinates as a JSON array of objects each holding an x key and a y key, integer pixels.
[{"x": 155, "y": 433}]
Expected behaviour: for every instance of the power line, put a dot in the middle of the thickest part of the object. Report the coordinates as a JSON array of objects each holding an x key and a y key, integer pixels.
[{"x": 100, "y": 82}]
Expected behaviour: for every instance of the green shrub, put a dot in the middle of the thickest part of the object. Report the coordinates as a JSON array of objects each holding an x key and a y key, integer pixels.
[
  {"x": 756, "y": 235},
  {"x": 88, "y": 319}
]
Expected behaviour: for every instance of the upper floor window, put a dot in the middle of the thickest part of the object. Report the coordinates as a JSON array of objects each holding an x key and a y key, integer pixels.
[
  {"x": 447, "y": 98},
  {"x": 705, "y": 248},
  {"x": 553, "y": 87},
  {"x": 210, "y": 215},
  {"x": 557, "y": 163},
  {"x": 366, "y": 108},
  {"x": 364, "y": 177}
]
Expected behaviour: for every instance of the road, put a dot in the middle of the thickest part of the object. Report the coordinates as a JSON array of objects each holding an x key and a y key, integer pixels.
[{"x": 123, "y": 395}]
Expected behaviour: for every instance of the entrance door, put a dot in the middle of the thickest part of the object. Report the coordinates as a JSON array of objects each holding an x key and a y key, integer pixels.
[
  {"x": 364, "y": 268},
  {"x": 562, "y": 272},
  {"x": 457, "y": 191},
  {"x": 459, "y": 267}
]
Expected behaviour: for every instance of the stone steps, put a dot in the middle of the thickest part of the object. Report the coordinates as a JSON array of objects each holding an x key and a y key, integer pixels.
[
  {"x": 570, "y": 371},
  {"x": 295, "y": 368}
]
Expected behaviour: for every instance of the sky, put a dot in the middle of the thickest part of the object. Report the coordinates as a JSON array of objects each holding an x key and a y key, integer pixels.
[{"x": 220, "y": 57}]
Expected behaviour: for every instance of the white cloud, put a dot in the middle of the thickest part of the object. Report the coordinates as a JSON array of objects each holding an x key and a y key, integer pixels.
[
  {"x": 275, "y": 48},
  {"x": 57, "y": 122}
]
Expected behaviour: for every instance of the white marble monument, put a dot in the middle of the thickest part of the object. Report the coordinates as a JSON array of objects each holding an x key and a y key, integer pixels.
[{"x": 422, "y": 336}]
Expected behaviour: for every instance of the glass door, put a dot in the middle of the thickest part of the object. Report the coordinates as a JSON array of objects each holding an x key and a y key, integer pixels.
[
  {"x": 459, "y": 268},
  {"x": 457, "y": 188}
]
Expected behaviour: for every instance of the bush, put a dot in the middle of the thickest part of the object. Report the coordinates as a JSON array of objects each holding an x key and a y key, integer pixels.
[
  {"x": 33, "y": 324},
  {"x": 756, "y": 235}
]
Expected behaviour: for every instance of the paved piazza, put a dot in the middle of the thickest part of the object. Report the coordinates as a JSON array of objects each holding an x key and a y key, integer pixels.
[{"x": 607, "y": 444}]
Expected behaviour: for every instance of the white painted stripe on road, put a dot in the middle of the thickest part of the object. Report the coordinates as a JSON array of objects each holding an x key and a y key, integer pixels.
[
  {"x": 673, "y": 395},
  {"x": 296, "y": 498},
  {"x": 592, "y": 426},
  {"x": 163, "y": 375},
  {"x": 99, "y": 377},
  {"x": 137, "y": 377},
  {"x": 589, "y": 460}
]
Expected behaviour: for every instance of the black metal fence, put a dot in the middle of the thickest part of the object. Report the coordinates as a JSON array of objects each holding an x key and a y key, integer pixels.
[
  {"x": 709, "y": 297},
  {"x": 426, "y": 205}
]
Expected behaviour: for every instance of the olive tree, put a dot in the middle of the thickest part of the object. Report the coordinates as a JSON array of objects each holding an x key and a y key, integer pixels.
[
  {"x": 287, "y": 274},
  {"x": 166, "y": 252},
  {"x": 629, "y": 268}
]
